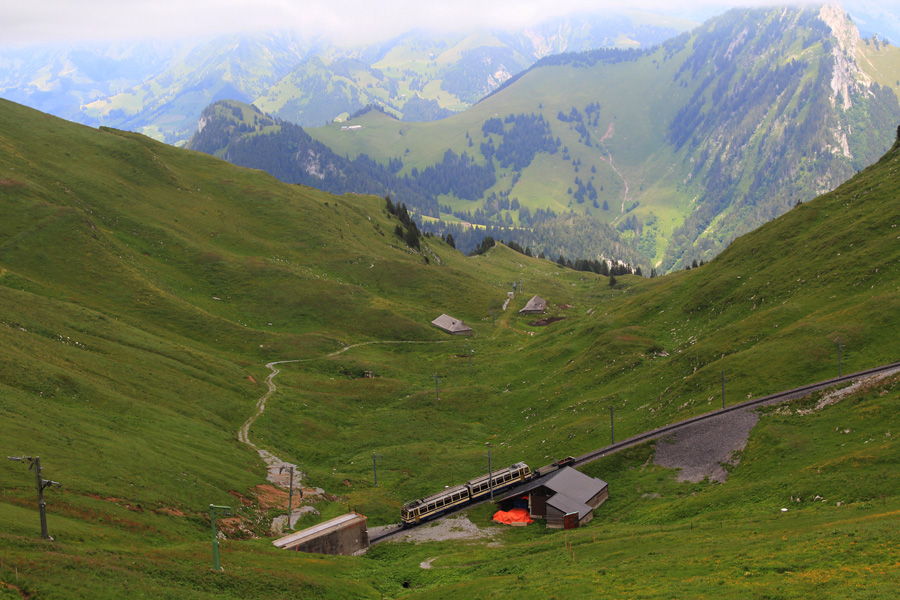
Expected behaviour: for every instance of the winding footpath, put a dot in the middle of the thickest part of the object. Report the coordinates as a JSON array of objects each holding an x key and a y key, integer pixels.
[
  {"x": 275, "y": 467},
  {"x": 277, "y": 470},
  {"x": 273, "y": 463}
]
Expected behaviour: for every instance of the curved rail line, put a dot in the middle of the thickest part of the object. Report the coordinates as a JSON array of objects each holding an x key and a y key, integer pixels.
[
  {"x": 792, "y": 394},
  {"x": 785, "y": 396}
]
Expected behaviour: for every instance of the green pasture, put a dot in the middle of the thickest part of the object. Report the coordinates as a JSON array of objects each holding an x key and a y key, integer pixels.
[{"x": 144, "y": 288}]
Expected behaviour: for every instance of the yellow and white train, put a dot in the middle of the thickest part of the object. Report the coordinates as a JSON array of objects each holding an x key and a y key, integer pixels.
[{"x": 473, "y": 490}]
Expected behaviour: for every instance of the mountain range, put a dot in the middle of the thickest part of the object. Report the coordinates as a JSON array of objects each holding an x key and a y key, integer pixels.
[
  {"x": 670, "y": 152},
  {"x": 160, "y": 88}
]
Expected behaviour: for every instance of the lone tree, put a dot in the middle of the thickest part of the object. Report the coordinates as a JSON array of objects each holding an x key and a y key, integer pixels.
[{"x": 612, "y": 281}]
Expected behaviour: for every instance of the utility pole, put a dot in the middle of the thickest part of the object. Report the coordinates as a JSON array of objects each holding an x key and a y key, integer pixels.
[
  {"x": 290, "y": 469},
  {"x": 723, "y": 389},
  {"x": 469, "y": 352},
  {"x": 437, "y": 395},
  {"x": 375, "y": 466},
  {"x": 35, "y": 463},
  {"x": 840, "y": 352},
  {"x": 612, "y": 426},
  {"x": 226, "y": 512},
  {"x": 490, "y": 475}
]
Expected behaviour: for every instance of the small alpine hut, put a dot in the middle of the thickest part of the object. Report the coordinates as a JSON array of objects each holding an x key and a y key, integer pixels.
[
  {"x": 347, "y": 534},
  {"x": 451, "y": 325},
  {"x": 565, "y": 498},
  {"x": 535, "y": 306}
]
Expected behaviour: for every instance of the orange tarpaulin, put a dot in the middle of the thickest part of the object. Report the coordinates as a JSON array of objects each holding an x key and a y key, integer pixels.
[{"x": 516, "y": 516}]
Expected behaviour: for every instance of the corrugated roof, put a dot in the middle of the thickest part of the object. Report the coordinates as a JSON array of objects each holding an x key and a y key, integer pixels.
[
  {"x": 575, "y": 484},
  {"x": 295, "y": 539},
  {"x": 567, "y": 505},
  {"x": 448, "y": 323},
  {"x": 572, "y": 483}
]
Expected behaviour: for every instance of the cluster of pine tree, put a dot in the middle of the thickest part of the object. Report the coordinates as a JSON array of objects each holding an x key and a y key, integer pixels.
[
  {"x": 589, "y": 58},
  {"x": 406, "y": 229},
  {"x": 583, "y": 191},
  {"x": 456, "y": 174},
  {"x": 528, "y": 135},
  {"x": 486, "y": 244},
  {"x": 600, "y": 267}
]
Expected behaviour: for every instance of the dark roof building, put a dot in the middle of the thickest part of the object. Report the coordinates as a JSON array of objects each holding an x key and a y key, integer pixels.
[
  {"x": 346, "y": 534},
  {"x": 565, "y": 498},
  {"x": 451, "y": 325},
  {"x": 534, "y": 306}
]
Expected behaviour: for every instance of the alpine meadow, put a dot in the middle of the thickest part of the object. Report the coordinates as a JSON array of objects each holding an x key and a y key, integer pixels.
[{"x": 210, "y": 346}]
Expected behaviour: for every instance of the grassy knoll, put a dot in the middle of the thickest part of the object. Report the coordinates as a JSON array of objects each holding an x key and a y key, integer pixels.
[{"x": 143, "y": 289}]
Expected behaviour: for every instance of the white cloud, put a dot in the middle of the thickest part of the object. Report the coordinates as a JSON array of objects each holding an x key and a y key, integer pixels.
[{"x": 38, "y": 21}]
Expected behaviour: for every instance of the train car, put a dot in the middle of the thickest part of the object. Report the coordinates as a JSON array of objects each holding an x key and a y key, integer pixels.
[
  {"x": 452, "y": 498},
  {"x": 499, "y": 480},
  {"x": 433, "y": 506},
  {"x": 555, "y": 466}
]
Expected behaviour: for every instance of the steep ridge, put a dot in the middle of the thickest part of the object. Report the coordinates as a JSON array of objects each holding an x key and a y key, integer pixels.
[{"x": 716, "y": 131}]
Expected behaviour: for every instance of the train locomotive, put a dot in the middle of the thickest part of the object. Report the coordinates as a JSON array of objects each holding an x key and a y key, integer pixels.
[{"x": 452, "y": 498}]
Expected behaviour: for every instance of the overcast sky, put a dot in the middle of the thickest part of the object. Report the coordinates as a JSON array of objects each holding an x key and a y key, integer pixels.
[{"x": 29, "y": 22}]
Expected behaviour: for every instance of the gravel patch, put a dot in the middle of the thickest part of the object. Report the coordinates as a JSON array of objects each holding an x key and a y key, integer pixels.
[
  {"x": 700, "y": 449},
  {"x": 836, "y": 396},
  {"x": 449, "y": 528}
]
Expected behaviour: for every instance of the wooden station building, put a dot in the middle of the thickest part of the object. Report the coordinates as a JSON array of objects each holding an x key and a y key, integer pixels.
[{"x": 565, "y": 498}]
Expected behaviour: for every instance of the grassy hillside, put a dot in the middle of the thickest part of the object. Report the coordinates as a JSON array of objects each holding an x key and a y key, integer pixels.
[{"x": 144, "y": 288}]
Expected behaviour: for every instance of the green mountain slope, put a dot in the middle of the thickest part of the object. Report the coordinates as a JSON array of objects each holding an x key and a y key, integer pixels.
[
  {"x": 682, "y": 148},
  {"x": 241, "y": 134},
  {"x": 143, "y": 286}
]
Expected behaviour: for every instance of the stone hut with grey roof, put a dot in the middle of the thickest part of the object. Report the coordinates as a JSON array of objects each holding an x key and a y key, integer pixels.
[
  {"x": 451, "y": 325},
  {"x": 535, "y": 306}
]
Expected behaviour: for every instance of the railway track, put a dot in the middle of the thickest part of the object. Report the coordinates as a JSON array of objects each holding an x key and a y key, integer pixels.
[
  {"x": 780, "y": 397},
  {"x": 785, "y": 396}
]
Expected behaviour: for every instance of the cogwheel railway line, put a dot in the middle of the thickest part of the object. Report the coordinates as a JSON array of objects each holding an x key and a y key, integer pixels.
[{"x": 777, "y": 398}]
